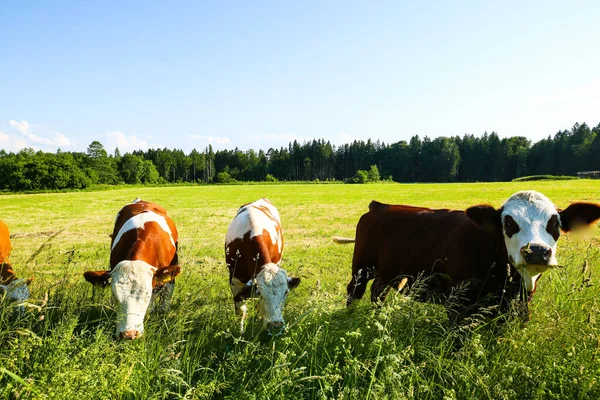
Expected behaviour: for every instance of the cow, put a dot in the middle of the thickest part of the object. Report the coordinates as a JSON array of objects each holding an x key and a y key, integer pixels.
[
  {"x": 499, "y": 253},
  {"x": 253, "y": 248},
  {"x": 143, "y": 264},
  {"x": 11, "y": 287}
]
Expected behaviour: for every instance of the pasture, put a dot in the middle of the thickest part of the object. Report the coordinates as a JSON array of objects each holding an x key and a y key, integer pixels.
[{"x": 64, "y": 348}]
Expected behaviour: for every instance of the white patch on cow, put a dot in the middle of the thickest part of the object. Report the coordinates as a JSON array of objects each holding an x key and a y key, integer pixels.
[
  {"x": 131, "y": 287},
  {"x": 531, "y": 211},
  {"x": 252, "y": 218},
  {"x": 272, "y": 283},
  {"x": 138, "y": 221}
]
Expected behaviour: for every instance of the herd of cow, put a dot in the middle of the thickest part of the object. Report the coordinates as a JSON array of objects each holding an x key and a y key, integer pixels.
[{"x": 488, "y": 252}]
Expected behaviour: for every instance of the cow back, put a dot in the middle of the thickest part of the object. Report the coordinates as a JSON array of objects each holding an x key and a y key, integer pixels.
[
  {"x": 143, "y": 231},
  {"x": 254, "y": 238},
  {"x": 415, "y": 240}
]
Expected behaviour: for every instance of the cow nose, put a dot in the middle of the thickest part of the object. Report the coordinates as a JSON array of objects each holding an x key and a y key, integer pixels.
[
  {"x": 130, "y": 334},
  {"x": 275, "y": 326},
  {"x": 536, "y": 254}
]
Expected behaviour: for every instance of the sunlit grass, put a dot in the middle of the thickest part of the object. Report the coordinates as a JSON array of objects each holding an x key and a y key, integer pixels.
[{"x": 402, "y": 350}]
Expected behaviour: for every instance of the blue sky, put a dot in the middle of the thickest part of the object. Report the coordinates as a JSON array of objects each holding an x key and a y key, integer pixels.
[{"x": 258, "y": 74}]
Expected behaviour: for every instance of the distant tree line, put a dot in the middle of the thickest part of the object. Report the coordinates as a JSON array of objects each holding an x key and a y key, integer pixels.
[{"x": 443, "y": 159}]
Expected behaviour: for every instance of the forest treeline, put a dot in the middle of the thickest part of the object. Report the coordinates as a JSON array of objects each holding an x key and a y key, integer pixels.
[{"x": 443, "y": 159}]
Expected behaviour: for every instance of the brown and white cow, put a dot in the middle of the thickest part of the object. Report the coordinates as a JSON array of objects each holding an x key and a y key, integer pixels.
[
  {"x": 15, "y": 289},
  {"x": 253, "y": 247},
  {"x": 501, "y": 251},
  {"x": 143, "y": 264}
]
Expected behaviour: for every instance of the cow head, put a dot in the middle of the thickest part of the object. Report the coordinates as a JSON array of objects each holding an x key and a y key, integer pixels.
[
  {"x": 531, "y": 225},
  {"x": 273, "y": 285},
  {"x": 131, "y": 284}
]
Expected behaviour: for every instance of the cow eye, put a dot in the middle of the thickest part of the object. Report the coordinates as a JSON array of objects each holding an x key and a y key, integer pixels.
[{"x": 556, "y": 224}]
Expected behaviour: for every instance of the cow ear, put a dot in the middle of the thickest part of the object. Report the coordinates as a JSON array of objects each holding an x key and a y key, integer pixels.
[
  {"x": 97, "y": 278},
  {"x": 293, "y": 282},
  {"x": 166, "y": 274},
  {"x": 486, "y": 216},
  {"x": 578, "y": 215}
]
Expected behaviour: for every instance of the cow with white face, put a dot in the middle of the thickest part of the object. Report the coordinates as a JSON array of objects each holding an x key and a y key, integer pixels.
[
  {"x": 488, "y": 252},
  {"x": 143, "y": 264},
  {"x": 253, "y": 248},
  {"x": 531, "y": 227}
]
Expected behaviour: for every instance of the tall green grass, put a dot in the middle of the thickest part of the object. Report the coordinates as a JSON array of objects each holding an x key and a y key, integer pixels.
[{"x": 405, "y": 349}]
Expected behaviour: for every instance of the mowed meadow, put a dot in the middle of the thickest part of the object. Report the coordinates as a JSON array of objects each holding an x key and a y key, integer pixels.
[{"x": 63, "y": 346}]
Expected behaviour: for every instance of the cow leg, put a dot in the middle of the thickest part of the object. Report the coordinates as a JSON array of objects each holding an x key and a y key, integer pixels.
[
  {"x": 165, "y": 296},
  {"x": 239, "y": 291},
  {"x": 166, "y": 292},
  {"x": 357, "y": 286},
  {"x": 379, "y": 290}
]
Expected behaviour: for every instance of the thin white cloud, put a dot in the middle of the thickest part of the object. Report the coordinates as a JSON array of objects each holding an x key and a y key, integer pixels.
[
  {"x": 11, "y": 143},
  {"x": 61, "y": 140},
  {"x": 25, "y": 129},
  {"x": 125, "y": 143},
  {"x": 29, "y": 139},
  {"x": 211, "y": 139}
]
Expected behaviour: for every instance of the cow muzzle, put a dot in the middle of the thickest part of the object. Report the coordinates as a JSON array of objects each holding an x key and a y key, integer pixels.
[
  {"x": 535, "y": 254},
  {"x": 275, "y": 327},
  {"x": 130, "y": 334}
]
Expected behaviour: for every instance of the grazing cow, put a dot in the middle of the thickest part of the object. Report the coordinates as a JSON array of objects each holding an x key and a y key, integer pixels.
[
  {"x": 15, "y": 289},
  {"x": 253, "y": 247},
  {"x": 498, "y": 252},
  {"x": 143, "y": 264}
]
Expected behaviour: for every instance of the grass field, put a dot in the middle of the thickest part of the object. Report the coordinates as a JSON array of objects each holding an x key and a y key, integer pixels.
[{"x": 65, "y": 350}]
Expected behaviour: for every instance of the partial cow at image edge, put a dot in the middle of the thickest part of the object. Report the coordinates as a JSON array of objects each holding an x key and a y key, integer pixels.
[
  {"x": 12, "y": 288},
  {"x": 498, "y": 252}
]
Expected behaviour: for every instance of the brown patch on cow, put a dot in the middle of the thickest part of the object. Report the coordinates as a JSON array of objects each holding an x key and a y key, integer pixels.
[
  {"x": 553, "y": 227},
  {"x": 444, "y": 247},
  {"x": 246, "y": 256},
  {"x": 486, "y": 216},
  {"x": 510, "y": 226},
  {"x": 151, "y": 244}
]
